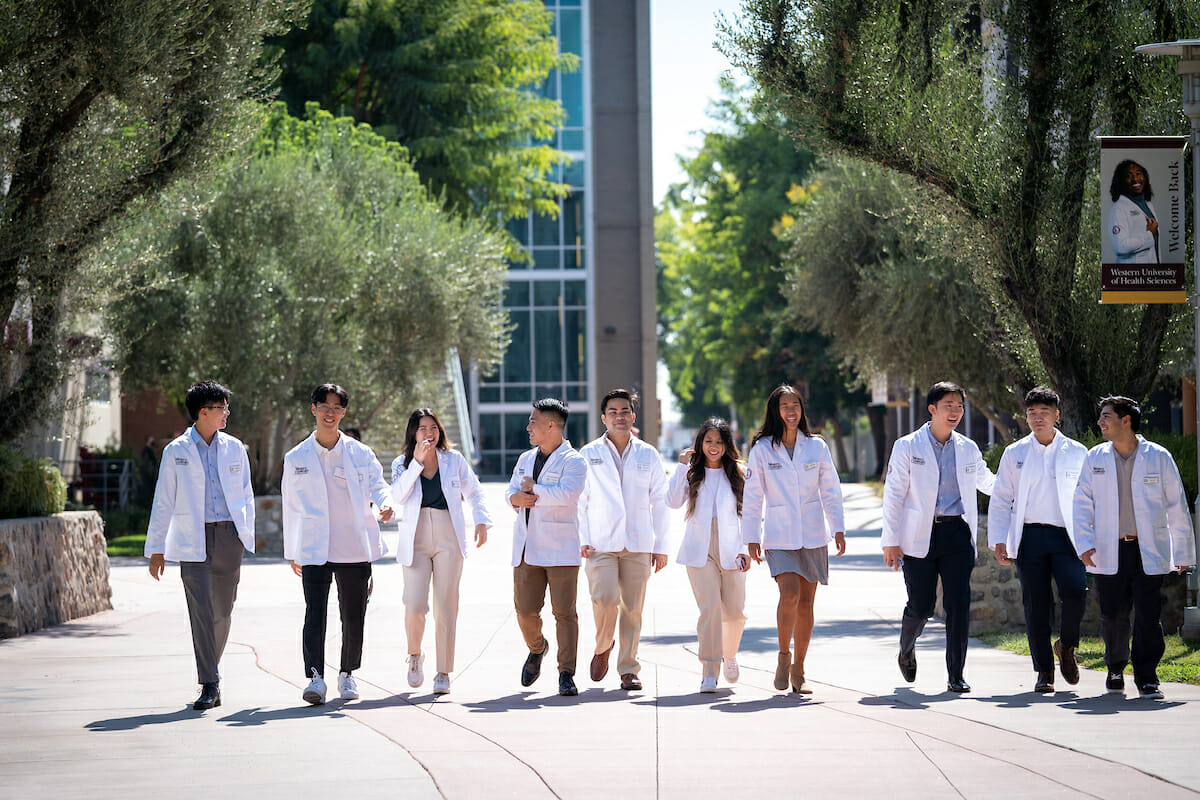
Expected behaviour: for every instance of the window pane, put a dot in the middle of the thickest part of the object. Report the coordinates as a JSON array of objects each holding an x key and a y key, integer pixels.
[
  {"x": 549, "y": 346},
  {"x": 572, "y": 214},
  {"x": 570, "y": 33},
  {"x": 546, "y": 293},
  {"x": 519, "y": 228},
  {"x": 545, "y": 230},
  {"x": 575, "y": 293},
  {"x": 546, "y": 259},
  {"x": 550, "y": 86},
  {"x": 576, "y": 392},
  {"x": 573, "y": 174},
  {"x": 518, "y": 394},
  {"x": 573, "y": 258},
  {"x": 551, "y": 390},
  {"x": 576, "y": 341},
  {"x": 516, "y": 294},
  {"x": 515, "y": 437},
  {"x": 491, "y": 465},
  {"x": 489, "y": 394},
  {"x": 489, "y": 431},
  {"x": 516, "y": 358},
  {"x": 572, "y": 99},
  {"x": 572, "y": 140}
]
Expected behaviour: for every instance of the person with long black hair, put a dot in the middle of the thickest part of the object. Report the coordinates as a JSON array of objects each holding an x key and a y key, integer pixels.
[
  {"x": 1132, "y": 223},
  {"x": 792, "y": 509}
]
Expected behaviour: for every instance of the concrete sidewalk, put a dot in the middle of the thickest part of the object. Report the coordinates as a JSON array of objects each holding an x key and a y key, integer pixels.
[{"x": 101, "y": 707}]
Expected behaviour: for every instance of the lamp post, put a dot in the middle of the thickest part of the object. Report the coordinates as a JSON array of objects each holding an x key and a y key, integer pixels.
[{"x": 1189, "y": 70}]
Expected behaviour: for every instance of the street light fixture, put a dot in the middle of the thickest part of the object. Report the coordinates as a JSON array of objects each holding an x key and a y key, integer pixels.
[{"x": 1188, "y": 51}]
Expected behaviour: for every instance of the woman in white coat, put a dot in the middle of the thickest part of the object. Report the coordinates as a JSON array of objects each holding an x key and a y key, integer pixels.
[
  {"x": 792, "y": 503},
  {"x": 429, "y": 481},
  {"x": 1132, "y": 223},
  {"x": 709, "y": 481}
]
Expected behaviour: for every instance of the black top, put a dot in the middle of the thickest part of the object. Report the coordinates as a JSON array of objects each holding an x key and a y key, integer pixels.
[
  {"x": 432, "y": 495},
  {"x": 539, "y": 461}
]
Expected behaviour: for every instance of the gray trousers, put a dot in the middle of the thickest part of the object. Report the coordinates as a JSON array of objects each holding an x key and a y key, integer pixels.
[{"x": 211, "y": 589}]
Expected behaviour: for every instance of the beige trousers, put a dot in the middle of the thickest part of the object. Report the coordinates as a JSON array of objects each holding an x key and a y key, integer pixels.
[
  {"x": 618, "y": 583},
  {"x": 529, "y": 595},
  {"x": 721, "y": 597},
  {"x": 436, "y": 556}
]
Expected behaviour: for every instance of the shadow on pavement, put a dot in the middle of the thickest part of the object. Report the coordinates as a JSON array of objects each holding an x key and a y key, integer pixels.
[
  {"x": 133, "y": 723},
  {"x": 526, "y": 701},
  {"x": 907, "y": 698},
  {"x": 786, "y": 700},
  {"x": 256, "y": 716},
  {"x": 1107, "y": 704}
]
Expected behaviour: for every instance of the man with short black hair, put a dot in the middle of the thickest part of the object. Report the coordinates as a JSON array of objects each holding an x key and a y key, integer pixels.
[
  {"x": 623, "y": 528},
  {"x": 1132, "y": 527},
  {"x": 203, "y": 517},
  {"x": 544, "y": 491},
  {"x": 330, "y": 533},
  {"x": 929, "y": 521},
  {"x": 1030, "y": 518}
]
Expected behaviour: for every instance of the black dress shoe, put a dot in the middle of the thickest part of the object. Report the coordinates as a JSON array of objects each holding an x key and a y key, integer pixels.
[
  {"x": 210, "y": 697},
  {"x": 566, "y": 684},
  {"x": 1045, "y": 682},
  {"x": 958, "y": 686},
  {"x": 533, "y": 667},
  {"x": 908, "y": 665}
]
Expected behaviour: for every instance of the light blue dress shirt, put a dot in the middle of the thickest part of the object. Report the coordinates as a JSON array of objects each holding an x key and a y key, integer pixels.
[
  {"x": 215, "y": 507},
  {"x": 949, "y": 499}
]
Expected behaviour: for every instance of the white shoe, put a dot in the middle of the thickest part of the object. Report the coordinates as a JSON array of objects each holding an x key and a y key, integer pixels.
[
  {"x": 708, "y": 685},
  {"x": 347, "y": 686},
  {"x": 315, "y": 693},
  {"x": 415, "y": 675},
  {"x": 732, "y": 673},
  {"x": 441, "y": 683}
]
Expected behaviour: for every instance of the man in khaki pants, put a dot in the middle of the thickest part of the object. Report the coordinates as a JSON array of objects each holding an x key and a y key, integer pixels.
[{"x": 623, "y": 527}]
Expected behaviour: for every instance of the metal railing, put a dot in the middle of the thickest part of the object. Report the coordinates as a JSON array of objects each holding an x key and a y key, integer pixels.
[{"x": 103, "y": 483}]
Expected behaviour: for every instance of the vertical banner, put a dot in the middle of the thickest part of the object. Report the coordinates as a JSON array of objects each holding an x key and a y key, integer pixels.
[{"x": 1142, "y": 213}]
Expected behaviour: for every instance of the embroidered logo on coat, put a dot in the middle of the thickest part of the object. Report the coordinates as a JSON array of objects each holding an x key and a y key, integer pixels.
[{"x": 774, "y": 465}]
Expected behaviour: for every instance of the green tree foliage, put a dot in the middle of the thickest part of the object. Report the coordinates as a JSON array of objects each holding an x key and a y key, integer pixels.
[
  {"x": 727, "y": 338},
  {"x": 100, "y": 104},
  {"x": 994, "y": 104},
  {"x": 316, "y": 256},
  {"x": 455, "y": 81},
  {"x": 877, "y": 262}
]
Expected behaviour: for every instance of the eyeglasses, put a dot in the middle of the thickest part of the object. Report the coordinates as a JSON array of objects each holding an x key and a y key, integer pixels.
[
  {"x": 224, "y": 408},
  {"x": 324, "y": 408}
]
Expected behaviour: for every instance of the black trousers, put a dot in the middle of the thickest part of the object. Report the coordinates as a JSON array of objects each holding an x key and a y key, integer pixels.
[
  {"x": 1047, "y": 554},
  {"x": 951, "y": 558},
  {"x": 1132, "y": 588},
  {"x": 352, "y": 583}
]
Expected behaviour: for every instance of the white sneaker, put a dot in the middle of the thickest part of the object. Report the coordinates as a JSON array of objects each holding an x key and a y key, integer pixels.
[
  {"x": 441, "y": 683},
  {"x": 347, "y": 686},
  {"x": 315, "y": 693},
  {"x": 732, "y": 673},
  {"x": 708, "y": 685},
  {"x": 415, "y": 675}
]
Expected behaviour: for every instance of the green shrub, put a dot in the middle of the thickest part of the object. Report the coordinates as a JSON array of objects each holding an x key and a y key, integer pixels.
[
  {"x": 29, "y": 487},
  {"x": 127, "y": 546},
  {"x": 130, "y": 522}
]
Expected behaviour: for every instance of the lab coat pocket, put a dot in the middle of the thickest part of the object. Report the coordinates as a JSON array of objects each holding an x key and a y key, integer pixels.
[
  {"x": 812, "y": 521},
  {"x": 777, "y": 524}
]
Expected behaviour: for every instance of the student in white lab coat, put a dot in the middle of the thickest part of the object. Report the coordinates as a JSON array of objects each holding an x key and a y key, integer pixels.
[
  {"x": 203, "y": 517},
  {"x": 792, "y": 509},
  {"x": 709, "y": 481},
  {"x": 544, "y": 492},
  {"x": 1132, "y": 223},
  {"x": 330, "y": 533},
  {"x": 623, "y": 527},
  {"x": 1132, "y": 527},
  {"x": 929, "y": 521},
  {"x": 429, "y": 482},
  {"x": 1029, "y": 520}
]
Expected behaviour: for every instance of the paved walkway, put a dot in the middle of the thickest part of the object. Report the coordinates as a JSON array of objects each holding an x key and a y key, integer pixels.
[{"x": 101, "y": 707}]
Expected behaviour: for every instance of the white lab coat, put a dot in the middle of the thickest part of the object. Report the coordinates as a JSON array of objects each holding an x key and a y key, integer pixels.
[
  {"x": 693, "y": 551},
  {"x": 625, "y": 510},
  {"x": 1164, "y": 527},
  {"x": 306, "y": 502},
  {"x": 458, "y": 481},
  {"x": 551, "y": 538},
  {"x": 801, "y": 494},
  {"x": 176, "y": 526},
  {"x": 1006, "y": 511},
  {"x": 1131, "y": 242},
  {"x": 911, "y": 486}
]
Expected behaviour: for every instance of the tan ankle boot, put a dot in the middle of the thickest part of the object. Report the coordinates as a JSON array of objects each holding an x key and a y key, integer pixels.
[
  {"x": 781, "y": 670},
  {"x": 798, "y": 684}
]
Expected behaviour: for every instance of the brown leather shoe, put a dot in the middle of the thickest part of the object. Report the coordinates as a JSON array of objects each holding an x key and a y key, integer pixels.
[
  {"x": 630, "y": 682},
  {"x": 781, "y": 670},
  {"x": 1067, "y": 662},
  {"x": 798, "y": 684},
  {"x": 600, "y": 664}
]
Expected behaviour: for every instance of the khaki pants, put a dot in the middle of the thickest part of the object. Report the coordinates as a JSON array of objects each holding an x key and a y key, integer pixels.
[
  {"x": 721, "y": 597},
  {"x": 618, "y": 583},
  {"x": 436, "y": 556},
  {"x": 529, "y": 595}
]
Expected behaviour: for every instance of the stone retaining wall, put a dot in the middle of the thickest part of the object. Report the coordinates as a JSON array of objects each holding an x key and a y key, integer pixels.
[{"x": 52, "y": 569}]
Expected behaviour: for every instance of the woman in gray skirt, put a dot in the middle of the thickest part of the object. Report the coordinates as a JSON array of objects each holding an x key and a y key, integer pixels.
[{"x": 792, "y": 509}]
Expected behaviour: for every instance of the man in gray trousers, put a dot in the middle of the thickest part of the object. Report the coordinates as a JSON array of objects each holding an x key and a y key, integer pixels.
[{"x": 203, "y": 517}]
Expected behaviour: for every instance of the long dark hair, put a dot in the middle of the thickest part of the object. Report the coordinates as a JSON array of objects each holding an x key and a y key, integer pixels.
[
  {"x": 773, "y": 421},
  {"x": 410, "y": 433},
  {"x": 730, "y": 462},
  {"x": 1120, "y": 182}
]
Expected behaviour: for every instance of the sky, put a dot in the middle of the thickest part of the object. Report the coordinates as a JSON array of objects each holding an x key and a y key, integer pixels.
[{"x": 685, "y": 66}]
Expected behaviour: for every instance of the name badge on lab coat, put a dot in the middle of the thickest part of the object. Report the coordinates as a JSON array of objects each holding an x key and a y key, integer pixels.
[
  {"x": 811, "y": 465},
  {"x": 1151, "y": 480},
  {"x": 456, "y": 484},
  {"x": 1097, "y": 470},
  {"x": 918, "y": 460},
  {"x": 180, "y": 462},
  {"x": 235, "y": 469},
  {"x": 970, "y": 469},
  {"x": 644, "y": 467},
  {"x": 595, "y": 460},
  {"x": 300, "y": 471},
  {"x": 773, "y": 465}
]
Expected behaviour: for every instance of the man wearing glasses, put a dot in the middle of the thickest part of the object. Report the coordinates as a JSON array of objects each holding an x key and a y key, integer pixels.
[
  {"x": 623, "y": 526},
  {"x": 203, "y": 517},
  {"x": 330, "y": 533}
]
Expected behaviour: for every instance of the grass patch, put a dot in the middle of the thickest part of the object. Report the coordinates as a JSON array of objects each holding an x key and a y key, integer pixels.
[
  {"x": 134, "y": 545},
  {"x": 1180, "y": 663}
]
